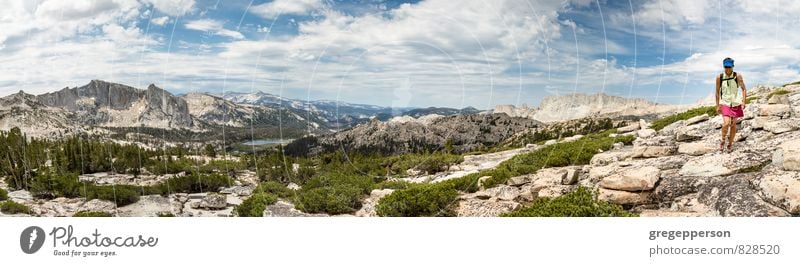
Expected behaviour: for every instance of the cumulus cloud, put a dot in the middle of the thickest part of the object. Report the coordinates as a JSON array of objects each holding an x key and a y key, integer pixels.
[
  {"x": 213, "y": 26},
  {"x": 676, "y": 13},
  {"x": 755, "y": 35},
  {"x": 276, "y": 8},
  {"x": 160, "y": 21},
  {"x": 436, "y": 52},
  {"x": 173, "y": 7}
]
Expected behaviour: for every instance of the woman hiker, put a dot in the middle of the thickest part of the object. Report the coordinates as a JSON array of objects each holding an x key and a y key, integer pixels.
[{"x": 730, "y": 101}]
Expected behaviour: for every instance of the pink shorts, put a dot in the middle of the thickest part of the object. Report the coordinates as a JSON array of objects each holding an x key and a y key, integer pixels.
[{"x": 734, "y": 112}]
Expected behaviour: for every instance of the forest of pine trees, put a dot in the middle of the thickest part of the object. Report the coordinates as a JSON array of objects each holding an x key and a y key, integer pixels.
[{"x": 332, "y": 182}]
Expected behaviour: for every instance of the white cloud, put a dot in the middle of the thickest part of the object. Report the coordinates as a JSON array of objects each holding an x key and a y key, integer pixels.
[
  {"x": 757, "y": 36},
  {"x": 160, "y": 21},
  {"x": 441, "y": 52},
  {"x": 52, "y": 21},
  {"x": 213, "y": 26},
  {"x": 676, "y": 13},
  {"x": 276, "y": 8},
  {"x": 263, "y": 29},
  {"x": 173, "y": 7},
  {"x": 452, "y": 48}
]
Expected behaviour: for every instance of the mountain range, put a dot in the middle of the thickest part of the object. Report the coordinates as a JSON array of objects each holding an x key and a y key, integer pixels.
[
  {"x": 101, "y": 104},
  {"x": 113, "y": 106},
  {"x": 338, "y": 114}
]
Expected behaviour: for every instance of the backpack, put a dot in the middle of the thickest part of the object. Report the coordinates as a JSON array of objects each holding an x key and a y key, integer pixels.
[{"x": 723, "y": 79}]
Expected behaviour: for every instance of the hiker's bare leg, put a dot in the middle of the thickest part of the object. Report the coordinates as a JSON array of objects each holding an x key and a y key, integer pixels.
[
  {"x": 732, "y": 135},
  {"x": 725, "y": 123}
]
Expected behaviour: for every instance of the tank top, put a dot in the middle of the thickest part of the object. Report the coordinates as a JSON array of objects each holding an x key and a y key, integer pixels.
[{"x": 731, "y": 94}]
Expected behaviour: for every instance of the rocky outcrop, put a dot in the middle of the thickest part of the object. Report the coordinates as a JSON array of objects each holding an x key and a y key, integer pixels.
[
  {"x": 466, "y": 132},
  {"x": 473, "y": 207},
  {"x": 513, "y": 111},
  {"x": 696, "y": 148},
  {"x": 623, "y": 197},
  {"x": 657, "y": 146},
  {"x": 779, "y": 110},
  {"x": 788, "y": 155},
  {"x": 782, "y": 189},
  {"x": 154, "y": 205},
  {"x": 679, "y": 171},
  {"x": 501, "y": 192},
  {"x": 723, "y": 164},
  {"x": 212, "y": 201},
  {"x": 368, "y": 204},
  {"x": 287, "y": 209},
  {"x": 632, "y": 179},
  {"x": 735, "y": 196}
]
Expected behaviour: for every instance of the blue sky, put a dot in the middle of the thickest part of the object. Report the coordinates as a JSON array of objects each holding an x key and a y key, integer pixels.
[{"x": 477, "y": 53}]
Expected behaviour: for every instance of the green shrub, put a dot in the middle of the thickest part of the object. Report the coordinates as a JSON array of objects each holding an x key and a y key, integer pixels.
[
  {"x": 50, "y": 185},
  {"x": 46, "y": 184},
  {"x": 576, "y": 152},
  {"x": 434, "y": 165},
  {"x": 579, "y": 203},
  {"x": 165, "y": 214},
  {"x": 429, "y": 163},
  {"x": 92, "y": 214},
  {"x": 334, "y": 193},
  {"x": 3, "y": 194},
  {"x": 469, "y": 183},
  {"x": 193, "y": 183},
  {"x": 560, "y": 130},
  {"x": 276, "y": 188},
  {"x": 335, "y": 199},
  {"x": 627, "y": 139},
  {"x": 255, "y": 205},
  {"x": 11, "y": 207},
  {"x": 777, "y": 92},
  {"x": 394, "y": 184},
  {"x": 363, "y": 183},
  {"x": 665, "y": 121},
  {"x": 793, "y": 83},
  {"x": 750, "y": 99},
  {"x": 171, "y": 166},
  {"x": 220, "y": 166},
  {"x": 119, "y": 194},
  {"x": 435, "y": 199}
]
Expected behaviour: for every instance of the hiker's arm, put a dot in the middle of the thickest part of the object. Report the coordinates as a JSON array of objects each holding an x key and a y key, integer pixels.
[
  {"x": 744, "y": 90},
  {"x": 717, "y": 94}
]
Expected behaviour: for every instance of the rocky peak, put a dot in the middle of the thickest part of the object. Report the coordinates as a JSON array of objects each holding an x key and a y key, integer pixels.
[
  {"x": 513, "y": 111},
  {"x": 579, "y": 105},
  {"x": 19, "y": 99},
  {"x": 116, "y": 105},
  {"x": 95, "y": 94}
]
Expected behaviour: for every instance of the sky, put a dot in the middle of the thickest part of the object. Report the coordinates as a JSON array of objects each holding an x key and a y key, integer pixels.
[{"x": 445, "y": 53}]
